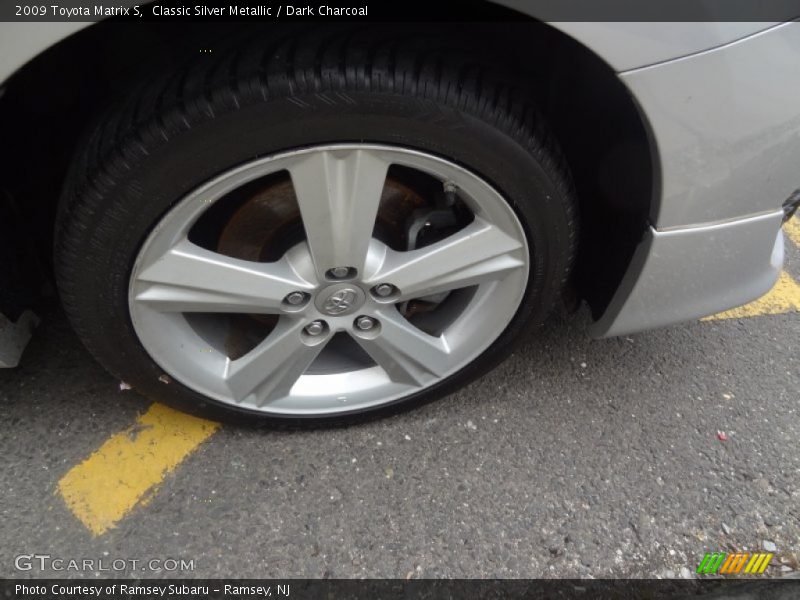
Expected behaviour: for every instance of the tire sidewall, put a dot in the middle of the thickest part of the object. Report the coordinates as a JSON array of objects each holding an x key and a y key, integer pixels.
[{"x": 131, "y": 201}]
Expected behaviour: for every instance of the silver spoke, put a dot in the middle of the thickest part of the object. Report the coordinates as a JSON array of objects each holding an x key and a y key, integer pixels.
[
  {"x": 269, "y": 371},
  {"x": 407, "y": 354},
  {"x": 189, "y": 278},
  {"x": 338, "y": 192},
  {"x": 478, "y": 253}
]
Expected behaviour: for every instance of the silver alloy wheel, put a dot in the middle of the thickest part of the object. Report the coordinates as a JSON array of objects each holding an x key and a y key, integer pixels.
[{"x": 338, "y": 189}]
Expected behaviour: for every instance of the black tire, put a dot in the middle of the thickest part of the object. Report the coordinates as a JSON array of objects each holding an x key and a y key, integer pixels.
[{"x": 217, "y": 113}]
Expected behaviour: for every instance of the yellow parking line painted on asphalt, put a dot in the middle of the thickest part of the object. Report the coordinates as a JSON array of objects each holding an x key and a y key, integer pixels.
[
  {"x": 128, "y": 467},
  {"x": 792, "y": 229},
  {"x": 784, "y": 297}
]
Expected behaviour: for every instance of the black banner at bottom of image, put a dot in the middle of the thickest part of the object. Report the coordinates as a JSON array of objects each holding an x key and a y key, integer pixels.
[{"x": 391, "y": 589}]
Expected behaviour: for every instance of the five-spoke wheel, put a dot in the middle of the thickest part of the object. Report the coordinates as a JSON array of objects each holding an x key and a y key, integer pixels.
[
  {"x": 415, "y": 315},
  {"x": 339, "y": 225}
]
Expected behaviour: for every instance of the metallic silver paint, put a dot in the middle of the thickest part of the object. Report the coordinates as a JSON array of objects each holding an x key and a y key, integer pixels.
[
  {"x": 726, "y": 124},
  {"x": 630, "y": 45},
  {"x": 685, "y": 274},
  {"x": 22, "y": 42}
]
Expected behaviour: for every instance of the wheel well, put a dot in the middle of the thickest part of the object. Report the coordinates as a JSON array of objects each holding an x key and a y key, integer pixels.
[{"x": 50, "y": 103}]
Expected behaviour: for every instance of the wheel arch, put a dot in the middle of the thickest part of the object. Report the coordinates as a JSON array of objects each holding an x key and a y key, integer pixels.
[{"x": 590, "y": 111}]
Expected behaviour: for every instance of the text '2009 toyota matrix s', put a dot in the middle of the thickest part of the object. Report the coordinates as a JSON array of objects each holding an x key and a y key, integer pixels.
[{"x": 330, "y": 220}]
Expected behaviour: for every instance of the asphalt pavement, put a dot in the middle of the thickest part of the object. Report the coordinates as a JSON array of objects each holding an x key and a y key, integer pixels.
[{"x": 631, "y": 457}]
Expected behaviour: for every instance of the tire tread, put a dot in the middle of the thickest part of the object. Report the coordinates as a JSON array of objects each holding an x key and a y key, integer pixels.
[{"x": 256, "y": 71}]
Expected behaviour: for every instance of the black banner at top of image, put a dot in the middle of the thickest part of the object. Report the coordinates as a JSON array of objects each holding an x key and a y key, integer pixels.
[{"x": 401, "y": 10}]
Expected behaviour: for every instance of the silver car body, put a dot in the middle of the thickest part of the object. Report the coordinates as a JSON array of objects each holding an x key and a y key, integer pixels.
[{"x": 720, "y": 103}]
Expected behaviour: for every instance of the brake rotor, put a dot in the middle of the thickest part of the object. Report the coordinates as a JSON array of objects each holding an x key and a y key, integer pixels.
[{"x": 269, "y": 222}]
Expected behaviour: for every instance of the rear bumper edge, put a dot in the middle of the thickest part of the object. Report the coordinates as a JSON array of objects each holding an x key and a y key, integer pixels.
[{"x": 687, "y": 273}]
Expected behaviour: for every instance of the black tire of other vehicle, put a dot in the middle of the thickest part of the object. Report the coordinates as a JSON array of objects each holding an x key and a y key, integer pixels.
[{"x": 380, "y": 86}]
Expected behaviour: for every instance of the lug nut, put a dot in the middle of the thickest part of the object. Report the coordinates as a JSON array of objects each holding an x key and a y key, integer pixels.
[
  {"x": 339, "y": 272},
  {"x": 365, "y": 323},
  {"x": 384, "y": 290},
  {"x": 315, "y": 327},
  {"x": 295, "y": 298}
]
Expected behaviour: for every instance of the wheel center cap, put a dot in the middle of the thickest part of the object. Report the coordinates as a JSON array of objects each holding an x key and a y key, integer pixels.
[{"x": 340, "y": 299}]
